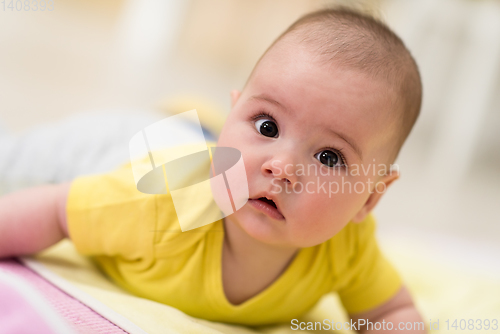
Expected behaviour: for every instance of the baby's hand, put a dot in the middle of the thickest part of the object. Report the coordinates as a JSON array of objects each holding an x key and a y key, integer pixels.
[
  {"x": 33, "y": 219},
  {"x": 400, "y": 312}
]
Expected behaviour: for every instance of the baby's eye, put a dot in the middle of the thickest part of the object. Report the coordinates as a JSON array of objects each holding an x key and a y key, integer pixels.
[
  {"x": 329, "y": 158},
  {"x": 267, "y": 127}
]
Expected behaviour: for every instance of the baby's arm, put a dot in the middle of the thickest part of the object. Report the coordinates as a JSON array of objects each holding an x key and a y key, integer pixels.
[
  {"x": 32, "y": 219},
  {"x": 399, "y": 309}
]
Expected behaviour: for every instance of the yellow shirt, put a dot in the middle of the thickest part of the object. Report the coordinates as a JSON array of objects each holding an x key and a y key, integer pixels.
[{"x": 135, "y": 238}]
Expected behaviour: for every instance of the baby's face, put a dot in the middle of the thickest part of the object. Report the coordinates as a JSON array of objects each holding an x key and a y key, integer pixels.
[{"x": 298, "y": 124}]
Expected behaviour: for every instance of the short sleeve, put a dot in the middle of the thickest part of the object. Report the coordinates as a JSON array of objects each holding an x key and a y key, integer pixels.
[
  {"x": 108, "y": 216},
  {"x": 373, "y": 280}
]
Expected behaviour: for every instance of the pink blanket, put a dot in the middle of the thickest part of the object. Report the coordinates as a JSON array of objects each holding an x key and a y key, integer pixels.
[{"x": 19, "y": 312}]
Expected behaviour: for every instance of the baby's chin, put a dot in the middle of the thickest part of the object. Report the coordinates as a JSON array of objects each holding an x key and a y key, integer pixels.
[
  {"x": 260, "y": 227},
  {"x": 287, "y": 237},
  {"x": 275, "y": 233}
]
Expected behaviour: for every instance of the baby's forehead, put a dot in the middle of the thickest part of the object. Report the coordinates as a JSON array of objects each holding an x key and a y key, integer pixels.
[
  {"x": 308, "y": 53},
  {"x": 289, "y": 63}
]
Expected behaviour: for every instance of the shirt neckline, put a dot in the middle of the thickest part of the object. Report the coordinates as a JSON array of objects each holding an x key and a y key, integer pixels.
[{"x": 215, "y": 272}]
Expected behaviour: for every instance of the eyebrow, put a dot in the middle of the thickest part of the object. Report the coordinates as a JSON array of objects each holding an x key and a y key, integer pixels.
[
  {"x": 351, "y": 143},
  {"x": 268, "y": 99}
]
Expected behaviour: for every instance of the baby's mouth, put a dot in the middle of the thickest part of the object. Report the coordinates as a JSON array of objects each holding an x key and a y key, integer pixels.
[
  {"x": 267, "y": 206},
  {"x": 268, "y": 201}
]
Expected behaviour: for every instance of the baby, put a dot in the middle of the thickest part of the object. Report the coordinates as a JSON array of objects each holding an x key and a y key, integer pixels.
[{"x": 335, "y": 94}]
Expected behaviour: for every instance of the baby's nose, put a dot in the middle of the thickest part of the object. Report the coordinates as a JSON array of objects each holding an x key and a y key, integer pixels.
[{"x": 279, "y": 169}]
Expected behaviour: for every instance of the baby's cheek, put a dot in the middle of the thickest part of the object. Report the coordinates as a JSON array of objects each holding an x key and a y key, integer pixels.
[
  {"x": 233, "y": 136},
  {"x": 225, "y": 138},
  {"x": 335, "y": 207}
]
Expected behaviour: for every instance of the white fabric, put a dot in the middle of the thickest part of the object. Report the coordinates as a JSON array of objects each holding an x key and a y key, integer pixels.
[{"x": 93, "y": 142}]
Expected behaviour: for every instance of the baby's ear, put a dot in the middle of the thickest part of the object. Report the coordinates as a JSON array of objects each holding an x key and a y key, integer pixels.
[
  {"x": 235, "y": 95},
  {"x": 380, "y": 189}
]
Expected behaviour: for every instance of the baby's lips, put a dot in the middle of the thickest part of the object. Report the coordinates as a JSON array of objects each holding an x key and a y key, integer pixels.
[{"x": 270, "y": 197}]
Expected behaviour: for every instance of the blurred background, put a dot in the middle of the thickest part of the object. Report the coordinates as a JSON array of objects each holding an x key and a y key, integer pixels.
[{"x": 92, "y": 56}]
